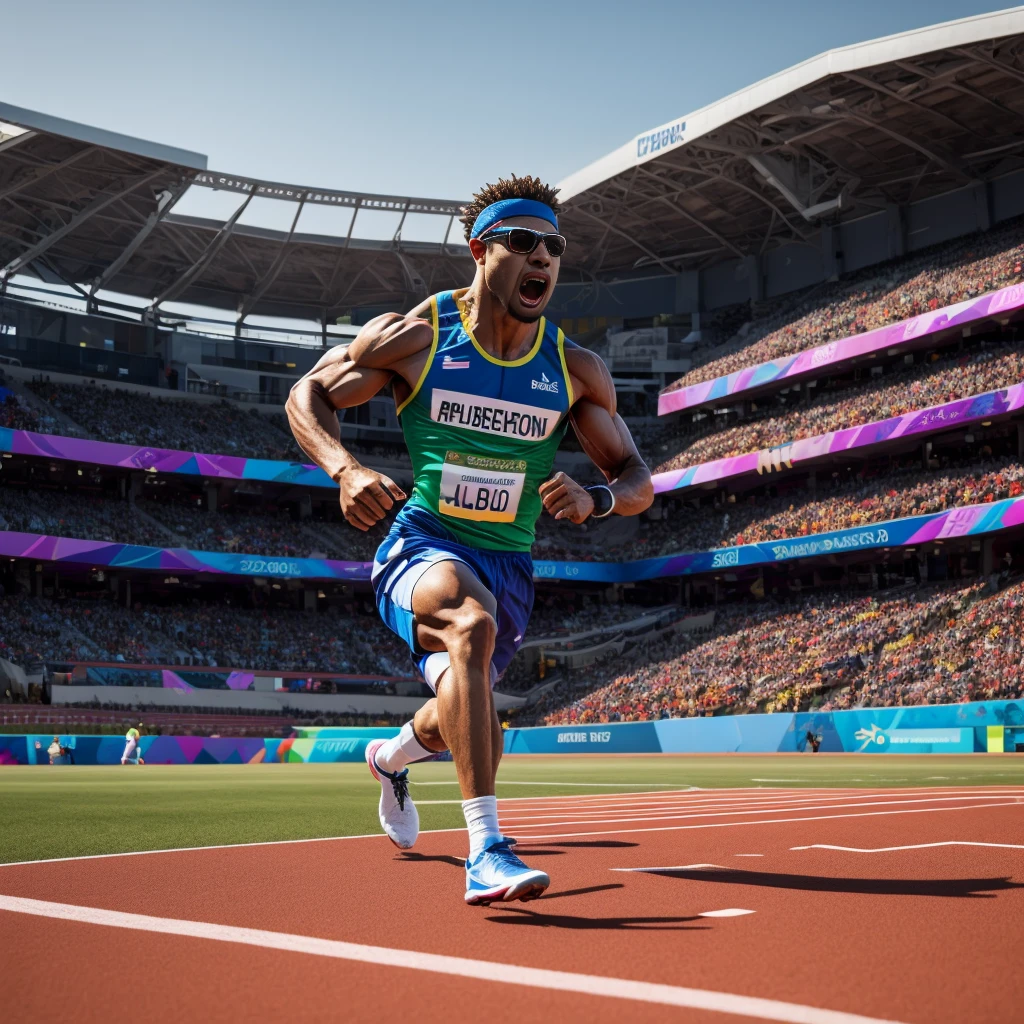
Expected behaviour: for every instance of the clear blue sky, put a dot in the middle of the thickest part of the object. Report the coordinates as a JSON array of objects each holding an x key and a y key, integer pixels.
[{"x": 412, "y": 97}]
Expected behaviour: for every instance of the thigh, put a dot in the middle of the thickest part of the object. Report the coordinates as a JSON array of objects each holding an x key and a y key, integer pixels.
[{"x": 442, "y": 596}]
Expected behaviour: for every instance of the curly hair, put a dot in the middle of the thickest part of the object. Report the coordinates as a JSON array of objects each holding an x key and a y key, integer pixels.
[{"x": 508, "y": 188}]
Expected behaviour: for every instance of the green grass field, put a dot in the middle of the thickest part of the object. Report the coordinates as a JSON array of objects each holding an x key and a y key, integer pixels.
[{"x": 72, "y": 811}]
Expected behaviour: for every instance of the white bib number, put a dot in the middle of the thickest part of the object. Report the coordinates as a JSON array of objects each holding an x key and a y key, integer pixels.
[{"x": 475, "y": 487}]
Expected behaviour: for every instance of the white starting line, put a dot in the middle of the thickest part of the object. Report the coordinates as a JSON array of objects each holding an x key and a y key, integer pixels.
[{"x": 461, "y": 967}]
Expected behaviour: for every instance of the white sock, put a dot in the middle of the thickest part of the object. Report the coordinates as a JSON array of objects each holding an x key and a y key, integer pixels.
[
  {"x": 482, "y": 821},
  {"x": 401, "y": 750}
]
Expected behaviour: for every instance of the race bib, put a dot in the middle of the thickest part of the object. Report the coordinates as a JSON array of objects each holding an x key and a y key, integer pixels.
[{"x": 481, "y": 488}]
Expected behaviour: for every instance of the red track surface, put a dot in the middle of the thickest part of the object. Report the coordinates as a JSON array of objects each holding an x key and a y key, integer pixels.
[{"x": 917, "y": 935}]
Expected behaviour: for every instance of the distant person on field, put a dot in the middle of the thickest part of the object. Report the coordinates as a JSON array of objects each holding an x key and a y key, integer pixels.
[
  {"x": 131, "y": 753},
  {"x": 54, "y": 749}
]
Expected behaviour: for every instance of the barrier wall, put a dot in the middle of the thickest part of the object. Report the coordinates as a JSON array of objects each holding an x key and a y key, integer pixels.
[
  {"x": 818, "y": 359},
  {"x": 985, "y": 726},
  {"x": 929, "y": 729},
  {"x": 970, "y": 520},
  {"x": 310, "y": 746}
]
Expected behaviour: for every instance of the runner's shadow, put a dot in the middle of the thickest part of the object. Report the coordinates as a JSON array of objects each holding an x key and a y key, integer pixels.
[
  {"x": 581, "y": 892},
  {"x": 647, "y": 924},
  {"x": 957, "y": 888}
]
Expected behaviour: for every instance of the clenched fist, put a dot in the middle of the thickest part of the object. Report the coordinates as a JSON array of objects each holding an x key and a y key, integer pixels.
[
  {"x": 367, "y": 496},
  {"x": 566, "y": 499}
]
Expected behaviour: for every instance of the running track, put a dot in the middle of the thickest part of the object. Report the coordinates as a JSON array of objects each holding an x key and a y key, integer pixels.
[{"x": 862, "y": 904}]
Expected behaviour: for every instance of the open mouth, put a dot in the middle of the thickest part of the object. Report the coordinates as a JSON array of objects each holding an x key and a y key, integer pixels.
[{"x": 532, "y": 289}]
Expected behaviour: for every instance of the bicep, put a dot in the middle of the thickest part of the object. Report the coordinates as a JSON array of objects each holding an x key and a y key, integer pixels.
[{"x": 342, "y": 382}]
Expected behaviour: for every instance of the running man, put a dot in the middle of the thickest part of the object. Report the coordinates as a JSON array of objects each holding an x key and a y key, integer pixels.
[{"x": 484, "y": 388}]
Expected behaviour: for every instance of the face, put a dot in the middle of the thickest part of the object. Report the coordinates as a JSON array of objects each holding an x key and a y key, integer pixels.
[{"x": 521, "y": 284}]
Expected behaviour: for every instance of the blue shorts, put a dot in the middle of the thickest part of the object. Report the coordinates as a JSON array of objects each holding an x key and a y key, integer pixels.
[{"x": 417, "y": 541}]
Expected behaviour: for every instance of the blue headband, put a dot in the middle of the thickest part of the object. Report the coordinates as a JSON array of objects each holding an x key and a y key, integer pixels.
[{"x": 490, "y": 215}]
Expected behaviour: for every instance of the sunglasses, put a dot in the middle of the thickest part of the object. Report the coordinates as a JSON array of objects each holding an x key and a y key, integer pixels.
[{"x": 524, "y": 240}]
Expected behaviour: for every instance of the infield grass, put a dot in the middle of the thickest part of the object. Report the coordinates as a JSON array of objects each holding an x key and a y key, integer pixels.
[{"x": 73, "y": 811}]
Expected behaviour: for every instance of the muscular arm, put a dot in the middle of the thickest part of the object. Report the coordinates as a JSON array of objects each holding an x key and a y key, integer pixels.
[
  {"x": 385, "y": 349},
  {"x": 605, "y": 438}
]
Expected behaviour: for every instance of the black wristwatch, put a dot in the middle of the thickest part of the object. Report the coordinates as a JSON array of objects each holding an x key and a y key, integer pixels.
[{"x": 604, "y": 500}]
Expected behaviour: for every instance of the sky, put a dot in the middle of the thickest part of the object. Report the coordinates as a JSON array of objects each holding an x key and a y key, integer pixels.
[{"x": 409, "y": 98}]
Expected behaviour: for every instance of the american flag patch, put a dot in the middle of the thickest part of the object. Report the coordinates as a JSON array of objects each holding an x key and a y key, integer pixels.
[{"x": 454, "y": 364}]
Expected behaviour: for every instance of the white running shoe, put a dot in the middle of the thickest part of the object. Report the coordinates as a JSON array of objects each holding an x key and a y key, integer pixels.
[{"x": 398, "y": 815}]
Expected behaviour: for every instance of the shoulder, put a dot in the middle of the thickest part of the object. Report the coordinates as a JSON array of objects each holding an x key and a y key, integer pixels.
[
  {"x": 392, "y": 337},
  {"x": 590, "y": 373}
]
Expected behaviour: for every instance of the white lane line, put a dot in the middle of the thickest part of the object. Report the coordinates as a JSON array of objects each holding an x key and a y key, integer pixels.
[
  {"x": 728, "y": 912},
  {"x": 916, "y": 846},
  {"x": 677, "y": 867},
  {"x": 198, "y": 849},
  {"x": 771, "y": 821},
  {"x": 461, "y": 967},
  {"x": 600, "y": 785},
  {"x": 636, "y": 809},
  {"x": 521, "y": 825}
]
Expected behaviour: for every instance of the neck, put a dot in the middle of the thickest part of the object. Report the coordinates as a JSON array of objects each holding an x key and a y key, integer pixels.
[{"x": 498, "y": 332}]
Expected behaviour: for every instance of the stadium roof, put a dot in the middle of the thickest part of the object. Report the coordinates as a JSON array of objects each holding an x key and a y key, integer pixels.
[{"x": 837, "y": 137}]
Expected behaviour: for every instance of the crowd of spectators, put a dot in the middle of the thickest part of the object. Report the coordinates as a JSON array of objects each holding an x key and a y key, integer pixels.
[
  {"x": 85, "y": 514},
  {"x": 837, "y": 504},
  {"x": 940, "y": 276},
  {"x": 917, "y": 387},
  {"x": 130, "y": 417},
  {"x": 945, "y": 643}
]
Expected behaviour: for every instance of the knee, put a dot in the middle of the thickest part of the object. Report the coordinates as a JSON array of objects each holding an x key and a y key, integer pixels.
[{"x": 473, "y": 628}]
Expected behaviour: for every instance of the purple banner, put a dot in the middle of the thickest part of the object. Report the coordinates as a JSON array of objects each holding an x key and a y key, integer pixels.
[
  {"x": 161, "y": 460},
  {"x": 815, "y": 360},
  {"x": 175, "y": 560},
  {"x": 786, "y": 456}
]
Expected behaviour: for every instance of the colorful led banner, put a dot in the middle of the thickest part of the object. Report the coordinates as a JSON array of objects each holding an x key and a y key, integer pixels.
[
  {"x": 960, "y": 413},
  {"x": 817, "y": 360},
  {"x": 161, "y": 460},
  {"x": 971, "y": 520},
  {"x": 175, "y": 561}
]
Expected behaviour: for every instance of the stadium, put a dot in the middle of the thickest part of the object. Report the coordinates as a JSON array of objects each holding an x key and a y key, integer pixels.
[{"x": 807, "y": 651}]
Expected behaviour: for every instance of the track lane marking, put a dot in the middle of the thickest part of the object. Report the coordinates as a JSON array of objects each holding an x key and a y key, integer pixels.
[
  {"x": 728, "y": 912},
  {"x": 916, "y": 846},
  {"x": 771, "y": 821},
  {"x": 462, "y": 967},
  {"x": 520, "y": 825}
]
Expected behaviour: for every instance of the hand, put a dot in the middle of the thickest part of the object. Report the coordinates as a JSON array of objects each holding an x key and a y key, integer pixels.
[
  {"x": 366, "y": 496},
  {"x": 565, "y": 499}
]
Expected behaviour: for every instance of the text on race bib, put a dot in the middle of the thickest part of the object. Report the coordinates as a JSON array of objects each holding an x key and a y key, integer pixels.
[{"x": 481, "y": 488}]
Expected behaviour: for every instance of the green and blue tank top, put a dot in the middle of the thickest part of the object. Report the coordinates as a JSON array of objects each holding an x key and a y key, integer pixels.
[{"x": 482, "y": 432}]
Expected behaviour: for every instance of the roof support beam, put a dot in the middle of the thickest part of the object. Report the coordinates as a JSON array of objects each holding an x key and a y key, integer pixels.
[
  {"x": 629, "y": 238},
  {"x": 215, "y": 246},
  {"x": 249, "y": 301},
  {"x": 165, "y": 202},
  {"x": 984, "y": 58},
  {"x": 16, "y": 140},
  {"x": 676, "y": 208},
  {"x": 883, "y": 90},
  {"x": 101, "y": 202},
  {"x": 37, "y": 174}
]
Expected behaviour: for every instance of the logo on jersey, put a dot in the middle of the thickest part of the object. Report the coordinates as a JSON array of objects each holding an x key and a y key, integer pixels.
[
  {"x": 544, "y": 384},
  {"x": 454, "y": 364}
]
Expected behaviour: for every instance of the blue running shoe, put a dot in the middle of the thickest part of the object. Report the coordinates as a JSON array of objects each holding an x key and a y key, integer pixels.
[{"x": 498, "y": 874}]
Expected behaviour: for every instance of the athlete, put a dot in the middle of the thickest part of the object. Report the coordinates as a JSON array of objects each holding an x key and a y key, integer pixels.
[{"x": 484, "y": 388}]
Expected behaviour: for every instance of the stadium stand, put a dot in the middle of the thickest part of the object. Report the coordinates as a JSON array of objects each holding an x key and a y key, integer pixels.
[
  {"x": 941, "y": 644},
  {"x": 936, "y": 277}
]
